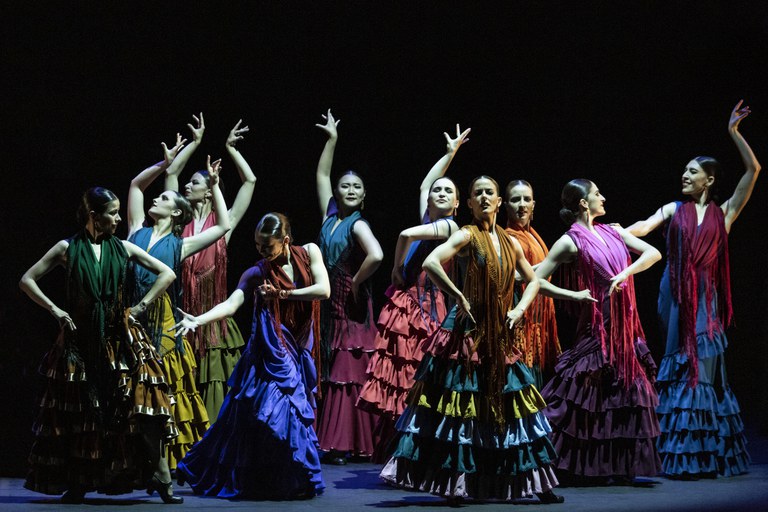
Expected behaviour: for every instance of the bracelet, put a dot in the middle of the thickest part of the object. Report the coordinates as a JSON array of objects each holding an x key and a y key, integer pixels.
[{"x": 283, "y": 294}]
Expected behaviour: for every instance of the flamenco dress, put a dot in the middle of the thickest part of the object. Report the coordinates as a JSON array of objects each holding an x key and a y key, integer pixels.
[
  {"x": 263, "y": 444},
  {"x": 474, "y": 426},
  {"x": 601, "y": 400},
  {"x": 702, "y": 434},
  {"x": 178, "y": 358},
  {"x": 103, "y": 385}
]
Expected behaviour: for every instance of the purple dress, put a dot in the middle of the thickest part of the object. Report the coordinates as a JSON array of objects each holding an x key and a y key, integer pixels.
[{"x": 601, "y": 401}]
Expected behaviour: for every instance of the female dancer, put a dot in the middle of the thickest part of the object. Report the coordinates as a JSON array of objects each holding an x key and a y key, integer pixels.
[
  {"x": 701, "y": 430},
  {"x": 415, "y": 307},
  {"x": 601, "y": 400},
  {"x": 169, "y": 213},
  {"x": 347, "y": 334},
  {"x": 104, "y": 384},
  {"x": 474, "y": 426},
  {"x": 264, "y": 444},
  {"x": 540, "y": 344},
  {"x": 204, "y": 275}
]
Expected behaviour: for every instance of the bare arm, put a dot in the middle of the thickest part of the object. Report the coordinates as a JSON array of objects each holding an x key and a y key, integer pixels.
[
  {"x": 531, "y": 289},
  {"x": 165, "y": 275},
  {"x": 441, "y": 166},
  {"x": 438, "y": 230},
  {"x": 195, "y": 243},
  {"x": 319, "y": 289},
  {"x": 433, "y": 266},
  {"x": 178, "y": 164},
  {"x": 648, "y": 256},
  {"x": 323, "y": 176},
  {"x": 563, "y": 251},
  {"x": 247, "y": 178},
  {"x": 143, "y": 180},
  {"x": 643, "y": 227},
  {"x": 373, "y": 254},
  {"x": 733, "y": 206},
  {"x": 55, "y": 256},
  {"x": 221, "y": 310}
]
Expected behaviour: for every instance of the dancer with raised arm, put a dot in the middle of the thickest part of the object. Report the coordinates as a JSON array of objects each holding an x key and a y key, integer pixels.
[
  {"x": 264, "y": 445},
  {"x": 105, "y": 412},
  {"x": 204, "y": 275},
  {"x": 541, "y": 346},
  {"x": 702, "y": 434},
  {"x": 351, "y": 254},
  {"x": 161, "y": 237},
  {"x": 415, "y": 307},
  {"x": 474, "y": 426},
  {"x": 601, "y": 400}
]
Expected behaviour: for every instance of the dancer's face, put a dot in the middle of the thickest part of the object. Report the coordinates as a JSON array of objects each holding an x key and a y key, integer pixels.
[
  {"x": 595, "y": 202},
  {"x": 107, "y": 221},
  {"x": 695, "y": 180},
  {"x": 520, "y": 205},
  {"x": 350, "y": 192},
  {"x": 269, "y": 247},
  {"x": 484, "y": 200},
  {"x": 164, "y": 206},
  {"x": 197, "y": 189},
  {"x": 442, "y": 197}
]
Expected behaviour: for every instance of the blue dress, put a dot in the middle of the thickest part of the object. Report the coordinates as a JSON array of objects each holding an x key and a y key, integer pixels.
[
  {"x": 702, "y": 433},
  {"x": 263, "y": 444}
]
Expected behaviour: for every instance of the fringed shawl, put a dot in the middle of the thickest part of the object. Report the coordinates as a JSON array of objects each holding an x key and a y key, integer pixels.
[
  {"x": 598, "y": 262},
  {"x": 699, "y": 254},
  {"x": 167, "y": 250},
  {"x": 489, "y": 288},
  {"x": 301, "y": 318},
  {"x": 540, "y": 344},
  {"x": 204, "y": 278}
]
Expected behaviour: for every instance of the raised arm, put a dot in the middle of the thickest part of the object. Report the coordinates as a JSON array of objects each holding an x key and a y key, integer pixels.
[
  {"x": 438, "y": 170},
  {"x": 165, "y": 276},
  {"x": 563, "y": 251},
  {"x": 323, "y": 176},
  {"x": 648, "y": 256},
  {"x": 28, "y": 283},
  {"x": 178, "y": 164},
  {"x": 143, "y": 180},
  {"x": 643, "y": 227},
  {"x": 195, "y": 243},
  {"x": 524, "y": 269},
  {"x": 733, "y": 206},
  {"x": 247, "y": 178},
  {"x": 438, "y": 230},
  {"x": 433, "y": 266}
]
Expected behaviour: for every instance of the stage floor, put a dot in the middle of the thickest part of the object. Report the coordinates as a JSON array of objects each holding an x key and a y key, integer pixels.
[{"x": 357, "y": 487}]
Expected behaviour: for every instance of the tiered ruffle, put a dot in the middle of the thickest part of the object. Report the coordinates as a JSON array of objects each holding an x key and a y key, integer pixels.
[
  {"x": 450, "y": 443},
  {"x": 602, "y": 428},
  {"x": 95, "y": 444},
  {"x": 215, "y": 367}
]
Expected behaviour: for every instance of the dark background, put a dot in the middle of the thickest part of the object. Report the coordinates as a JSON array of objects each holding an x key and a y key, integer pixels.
[{"x": 624, "y": 95}]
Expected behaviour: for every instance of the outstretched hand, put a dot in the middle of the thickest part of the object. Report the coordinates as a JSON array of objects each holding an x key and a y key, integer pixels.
[
  {"x": 213, "y": 170},
  {"x": 198, "y": 129},
  {"x": 170, "y": 153},
  {"x": 737, "y": 115},
  {"x": 63, "y": 318},
  {"x": 330, "y": 125},
  {"x": 268, "y": 291},
  {"x": 187, "y": 323},
  {"x": 236, "y": 134},
  {"x": 583, "y": 296},
  {"x": 461, "y": 137},
  {"x": 617, "y": 281}
]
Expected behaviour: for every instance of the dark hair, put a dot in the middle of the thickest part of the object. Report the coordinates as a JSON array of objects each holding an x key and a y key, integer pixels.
[
  {"x": 207, "y": 177},
  {"x": 483, "y": 177},
  {"x": 712, "y": 168},
  {"x": 455, "y": 187},
  {"x": 573, "y": 192},
  {"x": 274, "y": 225},
  {"x": 352, "y": 173},
  {"x": 94, "y": 200},
  {"x": 178, "y": 222},
  {"x": 512, "y": 184}
]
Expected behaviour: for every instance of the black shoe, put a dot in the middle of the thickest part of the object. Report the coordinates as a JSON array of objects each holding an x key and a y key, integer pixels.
[
  {"x": 550, "y": 497},
  {"x": 165, "y": 490},
  {"x": 73, "y": 496},
  {"x": 336, "y": 457},
  {"x": 181, "y": 477}
]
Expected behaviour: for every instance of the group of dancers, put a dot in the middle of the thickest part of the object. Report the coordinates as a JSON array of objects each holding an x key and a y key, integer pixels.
[{"x": 459, "y": 389}]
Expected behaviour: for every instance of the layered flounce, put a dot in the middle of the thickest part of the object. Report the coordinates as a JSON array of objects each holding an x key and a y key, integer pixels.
[
  {"x": 88, "y": 430},
  {"x": 215, "y": 367}
]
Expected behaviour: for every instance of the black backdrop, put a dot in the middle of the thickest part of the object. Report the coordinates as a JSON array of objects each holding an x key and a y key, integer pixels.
[{"x": 624, "y": 95}]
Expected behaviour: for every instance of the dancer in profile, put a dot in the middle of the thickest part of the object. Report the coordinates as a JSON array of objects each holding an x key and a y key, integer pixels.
[
  {"x": 204, "y": 275},
  {"x": 601, "y": 400},
  {"x": 264, "y": 445},
  {"x": 161, "y": 237},
  {"x": 474, "y": 426},
  {"x": 702, "y": 434},
  {"x": 351, "y": 254},
  {"x": 105, "y": 411},
  {"x": 541, "y": 345},
  {"x": 416, "y": 306}
]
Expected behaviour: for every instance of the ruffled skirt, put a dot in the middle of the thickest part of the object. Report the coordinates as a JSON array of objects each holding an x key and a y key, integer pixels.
[{"x": 215, "y": 367}]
